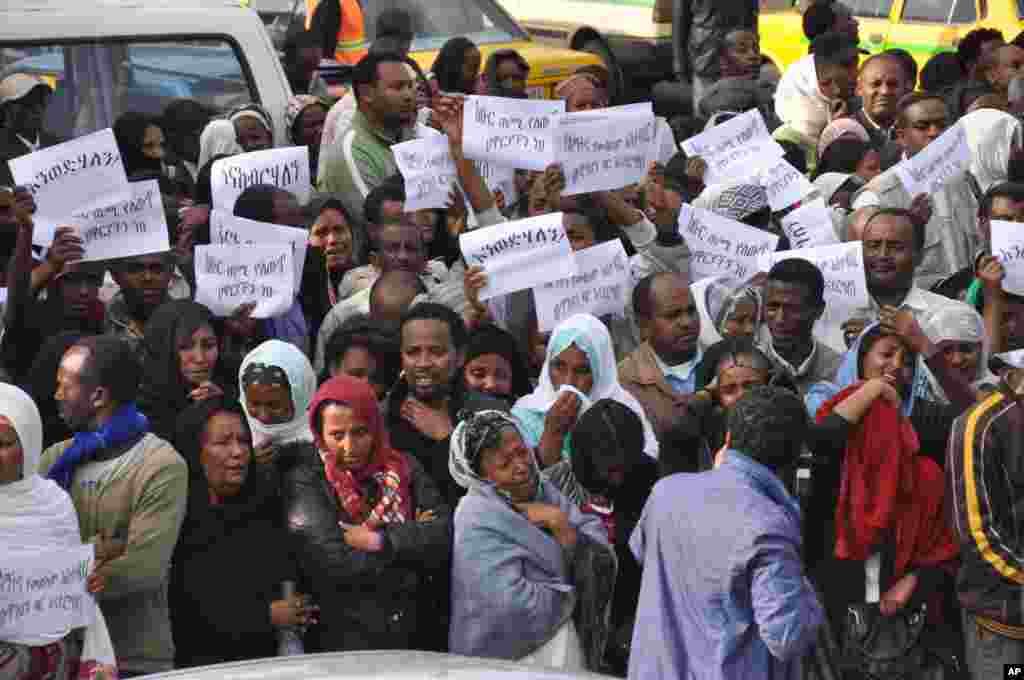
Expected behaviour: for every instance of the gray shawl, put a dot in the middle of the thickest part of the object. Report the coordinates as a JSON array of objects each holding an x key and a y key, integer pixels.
[{"x": 513, "y": 586}]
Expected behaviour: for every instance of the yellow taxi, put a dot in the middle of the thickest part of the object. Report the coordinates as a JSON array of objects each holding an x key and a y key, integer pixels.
[
  {"x": 922, "y": 27},
  {"x": 485, "y": 22}
]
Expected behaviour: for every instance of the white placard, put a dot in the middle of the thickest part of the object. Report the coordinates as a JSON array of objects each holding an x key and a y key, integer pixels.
[
  {"x": 846, "y": 286},
  {"x": 926, "y": 171},
  {"x": 666, "y": 147},
  {"x": 520, "y": 254},
  {"x": 720, "y": 246},
  {"x": 229, "y": 276},
  {"x": 499, "y": 178},
  {"x": 286, "y": 168},
  {"x": 135, "y": 226},
  {"x": 809, "y": 225},
  {"x": 604, "y": 153},
  {"x": 226, "y": 229},
  {"x": 44, "y": 591},
  {"x": 1008, "y": 248},
  {"x": 428, "y": 170},
  {"x": 600, "y": 287},
  {"x": 734, "y": 147},
  {"x": 783, "y": 184},
  {"x": 83, "y": 172},
  {"x": 513, "y": 132}
]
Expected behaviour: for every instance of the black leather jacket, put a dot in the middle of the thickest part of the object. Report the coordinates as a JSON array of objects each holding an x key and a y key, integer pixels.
[{"x": 367, "y": 600}]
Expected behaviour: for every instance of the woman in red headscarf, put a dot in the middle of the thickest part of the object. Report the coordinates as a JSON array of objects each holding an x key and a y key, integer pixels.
[{"x": 371, "y": 530}]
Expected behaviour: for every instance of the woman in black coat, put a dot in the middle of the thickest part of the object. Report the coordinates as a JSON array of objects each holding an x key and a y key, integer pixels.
[
  {"x": 372, "y": 530},
  {"x": 232, "y": 555}
]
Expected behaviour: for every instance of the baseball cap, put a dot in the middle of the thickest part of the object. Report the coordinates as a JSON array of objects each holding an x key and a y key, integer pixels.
[{"x": 19, "y": 85}]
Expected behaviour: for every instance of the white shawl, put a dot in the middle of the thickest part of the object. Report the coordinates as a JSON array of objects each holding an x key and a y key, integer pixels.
[
  {"x": 36, "y": 514},
  {"x": 990, "y": 136}
]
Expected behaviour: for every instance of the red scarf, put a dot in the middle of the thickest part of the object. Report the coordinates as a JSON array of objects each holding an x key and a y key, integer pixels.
[
  {"x": 888, "y": 488},
  {"x": 387, "y": 469}
]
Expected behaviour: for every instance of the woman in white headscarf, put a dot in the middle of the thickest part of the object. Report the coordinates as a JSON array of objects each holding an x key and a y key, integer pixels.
[
  {"x": 579, "y": 370},
  {"x": 959, "y": 334},
  {"x": 36, "y": 515},
  {"x": 991, "y": 136},
  {"x": 277, "y": 384},
  {"x": 218, "y": 139}
]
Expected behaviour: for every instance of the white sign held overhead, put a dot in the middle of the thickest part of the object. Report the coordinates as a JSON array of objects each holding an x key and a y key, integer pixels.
[
  {"x": 600, "y": 287},
  {"x": 226, "y": 229},
  {"x": 734, "y": 147},
  {"x": 783, "y": 184},
  {"x": 428, "y": 170},
  {"x": 518, "y": 133},
  {"x": 228, "y": 276},
  {"x": 604, "y": 154},
  {"x": 520, "y": 254},
  {"x": 809, "y": 225},
  {"x": 41, "y": 592},
  {"x": 134, "y": 226},
  {"x": 286, "y": 168},
  {"x": 720, "y": 246},
  {"x": 927, "y": 170},
  {"x": 83, "y": 172},
  {"x": 1008, "y": 248}
]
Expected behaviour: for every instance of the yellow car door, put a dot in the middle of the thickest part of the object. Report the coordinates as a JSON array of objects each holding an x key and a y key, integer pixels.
[{"x": 926, "y": 27}]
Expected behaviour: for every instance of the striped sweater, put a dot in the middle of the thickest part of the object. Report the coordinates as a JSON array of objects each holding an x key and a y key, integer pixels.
[{"x": 985, "y": 468}]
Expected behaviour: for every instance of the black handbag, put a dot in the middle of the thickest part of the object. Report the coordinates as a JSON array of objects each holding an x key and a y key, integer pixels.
[{"x": 877, "y": 647}]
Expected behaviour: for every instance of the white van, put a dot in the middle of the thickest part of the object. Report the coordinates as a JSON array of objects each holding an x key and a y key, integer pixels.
[{"x": 106, "y": 57}]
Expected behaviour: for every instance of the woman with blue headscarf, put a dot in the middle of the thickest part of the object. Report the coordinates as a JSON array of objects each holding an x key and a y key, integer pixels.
[{"x": 579, "y": 370}]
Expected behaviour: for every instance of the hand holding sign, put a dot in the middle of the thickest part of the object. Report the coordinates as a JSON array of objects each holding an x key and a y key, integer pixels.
[
  {"x": 520, "y": 254},
  {"x": 63, "y": 178},
  {"x": 515, "y": 132},
  {"x": 1008, "y": 247},
  {"x": 721, "y": 246},
  {"x": 943, "y": 159},
  {"x": 732, "y": 148}
]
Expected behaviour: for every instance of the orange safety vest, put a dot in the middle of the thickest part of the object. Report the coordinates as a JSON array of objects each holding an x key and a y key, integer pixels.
[{"x": 352, "y": 34}]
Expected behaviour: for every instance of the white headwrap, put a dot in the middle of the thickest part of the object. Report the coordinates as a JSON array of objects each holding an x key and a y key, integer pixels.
[
  {"x": 301, "y": 384},
  {"x": 591, "y": 337},
  {"x": 954, "y": 323},
  {"x": 990, "y": 136},
  {"x": 218, "y": 139}
]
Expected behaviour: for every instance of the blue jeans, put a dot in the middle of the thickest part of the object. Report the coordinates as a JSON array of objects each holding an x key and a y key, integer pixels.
[{"x": 987, "y": 652}]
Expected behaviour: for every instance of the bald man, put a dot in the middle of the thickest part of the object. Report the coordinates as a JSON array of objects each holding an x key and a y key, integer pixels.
[{"x": 855, "y": 223}]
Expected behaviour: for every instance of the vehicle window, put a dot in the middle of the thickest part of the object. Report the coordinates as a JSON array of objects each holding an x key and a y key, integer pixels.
[
  {"x": 871, "y": 9},
  {"x": 435, "y": 23},
  {"x": 939, "y": 11},
  {"x": 94, "y": 83}
]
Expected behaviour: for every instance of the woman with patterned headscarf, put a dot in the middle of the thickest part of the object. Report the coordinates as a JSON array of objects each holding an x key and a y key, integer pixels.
[
  {"x": 253, "y": 127},
  {"x": 371, "y": 529},
  {"x": 532, "y": 576},
  {"x": 304, "y": 119}
]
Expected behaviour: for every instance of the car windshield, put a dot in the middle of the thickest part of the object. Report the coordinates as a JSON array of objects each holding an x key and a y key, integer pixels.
[
  {"x": 94, "y": 83},
  {"x": 435, "y": 22}
]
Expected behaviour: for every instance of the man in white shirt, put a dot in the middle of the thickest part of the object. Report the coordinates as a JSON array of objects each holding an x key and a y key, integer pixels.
[{"x": 950, "y": 237}]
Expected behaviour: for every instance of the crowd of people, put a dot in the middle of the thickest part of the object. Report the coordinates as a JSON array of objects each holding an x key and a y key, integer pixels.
[{"x": 710, "y": 482}]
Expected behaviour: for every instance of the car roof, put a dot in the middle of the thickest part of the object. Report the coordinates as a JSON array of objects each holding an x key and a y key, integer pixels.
[
  {"x": 40, "y": 20},
  {"x": 387, "y": 665}
]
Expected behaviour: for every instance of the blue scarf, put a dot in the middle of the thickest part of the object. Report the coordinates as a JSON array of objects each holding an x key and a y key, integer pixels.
[{"x": 126, "y": 425}]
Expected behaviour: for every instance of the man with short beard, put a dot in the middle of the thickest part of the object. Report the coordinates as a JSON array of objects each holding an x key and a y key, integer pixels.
[
  {"x": 422, "y": 408},
  {"x": 129, "y": 488},
  {"x": 361, "y": 158},
  {"x": 143, "y": 283}
]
